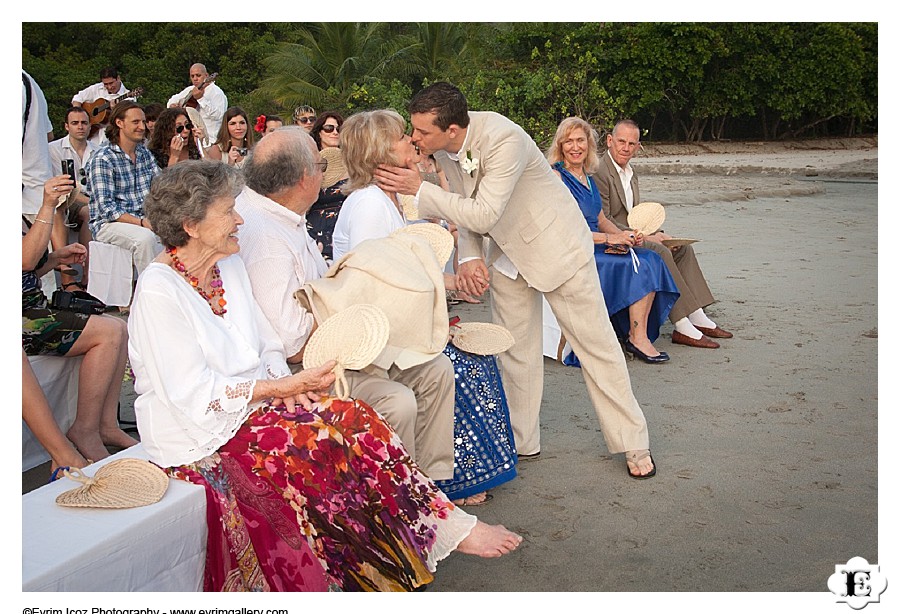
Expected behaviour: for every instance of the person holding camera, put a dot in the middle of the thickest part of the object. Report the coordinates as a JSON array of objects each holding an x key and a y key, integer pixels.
[
  {"x": 174, "y": 138},
  {"x": 74, "y": 331},
  {"x": 235, "y": 138}
]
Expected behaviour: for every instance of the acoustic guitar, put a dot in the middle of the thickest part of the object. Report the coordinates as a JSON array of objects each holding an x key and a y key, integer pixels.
[
  {"x": 189, "y": 100},
  {"x": 98, "y": 111}
]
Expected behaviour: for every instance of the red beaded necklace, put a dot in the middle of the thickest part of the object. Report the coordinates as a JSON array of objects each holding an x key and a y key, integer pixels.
[{"x": 217, "y": 306}]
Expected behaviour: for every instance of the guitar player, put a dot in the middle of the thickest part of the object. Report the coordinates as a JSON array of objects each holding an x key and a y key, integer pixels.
[
  {"x": 109, "y": 88},
  {"x": 207, "y": 97}
]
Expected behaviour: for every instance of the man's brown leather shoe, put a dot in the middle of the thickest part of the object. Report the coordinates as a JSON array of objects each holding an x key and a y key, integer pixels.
[
  {"x": 702, "y": 342},
  {"x": 716, "y": 332}
]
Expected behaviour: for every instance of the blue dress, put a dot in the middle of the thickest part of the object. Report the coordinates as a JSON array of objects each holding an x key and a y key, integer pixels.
[
  {"x": 484, "y": 451},
  {"x": 621, "y": 285}
]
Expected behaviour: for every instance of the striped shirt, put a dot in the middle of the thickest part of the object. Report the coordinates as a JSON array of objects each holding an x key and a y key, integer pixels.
[{"x": 118, "y": 185}]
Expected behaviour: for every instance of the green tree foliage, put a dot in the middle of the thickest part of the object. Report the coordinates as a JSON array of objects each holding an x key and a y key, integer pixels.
[{"x": 681, "y": 81}]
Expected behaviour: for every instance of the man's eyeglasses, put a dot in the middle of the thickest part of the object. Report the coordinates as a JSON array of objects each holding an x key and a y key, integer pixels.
[
  {"x": 309, "y": 119},
  {"x": 330, "y": 128},
  {"x": 323, "y": 164},
  {"x": 188, "y": 126}
]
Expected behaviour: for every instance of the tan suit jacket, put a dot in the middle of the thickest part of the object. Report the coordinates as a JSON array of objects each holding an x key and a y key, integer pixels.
[
  {"x": 515, "y": 202},
  {"x": 612, "y": 192}
]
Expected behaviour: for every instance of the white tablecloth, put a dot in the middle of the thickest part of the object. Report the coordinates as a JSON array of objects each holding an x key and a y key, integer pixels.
[
  {"x": 159, "y": 547},
  {"x": 58, "y": 377}
]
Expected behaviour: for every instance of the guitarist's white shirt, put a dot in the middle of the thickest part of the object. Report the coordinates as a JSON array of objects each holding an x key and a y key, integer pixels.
[{"x": 211, "y": 105}]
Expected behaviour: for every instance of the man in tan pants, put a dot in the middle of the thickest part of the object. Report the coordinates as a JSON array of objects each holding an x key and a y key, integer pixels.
[
  {"x": 502, "y": 189},
  {"x": 283, "y": 176}
]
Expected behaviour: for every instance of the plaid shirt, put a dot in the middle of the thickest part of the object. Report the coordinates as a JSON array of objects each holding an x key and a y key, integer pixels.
[{"x": 117, "y": 184}]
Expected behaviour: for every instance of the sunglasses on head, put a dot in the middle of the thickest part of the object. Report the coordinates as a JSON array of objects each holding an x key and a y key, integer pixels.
[
  {"x": 188, "y": 126},
  {"x": 307, "y": 120},
  {"x": 330, "y": 128}
]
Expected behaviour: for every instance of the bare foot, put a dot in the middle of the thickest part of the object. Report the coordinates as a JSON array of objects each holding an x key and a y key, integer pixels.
[
  {"x": 489, "y": 541},
  {"x": 89, "y": 444},
  {"x": 117, "y": 437},
  {"x": 477, "y": 499},
  {"x": 70, "y": 459}
]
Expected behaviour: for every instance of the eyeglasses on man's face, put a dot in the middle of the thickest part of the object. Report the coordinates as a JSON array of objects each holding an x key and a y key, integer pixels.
[
  {"x": 322, "y": 164},
  {"x": 307, "y": 119}
]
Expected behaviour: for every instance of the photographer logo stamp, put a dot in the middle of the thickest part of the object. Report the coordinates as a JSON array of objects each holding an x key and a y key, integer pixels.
[{"x": 857, "y": 583}]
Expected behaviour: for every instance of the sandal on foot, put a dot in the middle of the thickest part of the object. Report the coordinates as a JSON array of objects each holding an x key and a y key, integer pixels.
[
  {"x": 635, "y": 456},
  {"x": 473, "y": 501}
]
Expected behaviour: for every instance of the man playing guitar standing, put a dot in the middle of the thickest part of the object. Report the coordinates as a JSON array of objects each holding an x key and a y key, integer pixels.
[
  {"x": 207, "y": 97},
  {"x": 110, "y": 88}
]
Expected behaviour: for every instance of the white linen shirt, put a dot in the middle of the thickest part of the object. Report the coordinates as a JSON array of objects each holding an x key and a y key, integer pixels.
[
  {"x": 366, "y": 214},
  {"x": 212, "y": 106},
  {"x": 35, "y": 153},
  {"x": 61, "y": 149},
  {"x": 194, "y": 371},
  {"x": 95, "y": 92},
  {"x": 280, "y": 257}
]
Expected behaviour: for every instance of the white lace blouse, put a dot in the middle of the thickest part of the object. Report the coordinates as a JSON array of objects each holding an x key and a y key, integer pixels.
[{"x": 195, "y": 371}]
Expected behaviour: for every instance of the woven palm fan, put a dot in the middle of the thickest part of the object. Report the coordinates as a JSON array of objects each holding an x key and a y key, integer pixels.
[
  {"x": 336, "y": 169},
  {"x": 194, "y": 115},
  {"x": 353, "y": 338},
  {"x": 408, "y": 204},
  {"x": 647, "y": 218},
  {"x": 125, "y": 483},
  {"x": 438, "y": 237},
  {"x": 482, "y": 338}
]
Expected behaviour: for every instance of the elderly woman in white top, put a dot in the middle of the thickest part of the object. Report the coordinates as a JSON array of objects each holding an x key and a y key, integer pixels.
[{"x": 305, "y": 492}]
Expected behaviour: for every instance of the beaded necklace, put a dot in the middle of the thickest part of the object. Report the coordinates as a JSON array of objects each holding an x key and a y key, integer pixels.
[{"x": 215, "y": 284}]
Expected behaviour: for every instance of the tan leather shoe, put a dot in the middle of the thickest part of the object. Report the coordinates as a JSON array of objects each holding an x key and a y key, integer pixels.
[
  {"x": 702, "y": 342},
  {"x": 716, "y": 332}
]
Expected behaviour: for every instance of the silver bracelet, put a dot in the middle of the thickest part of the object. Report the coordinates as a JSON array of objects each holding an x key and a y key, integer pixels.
[{"x": 50, "y": 223}]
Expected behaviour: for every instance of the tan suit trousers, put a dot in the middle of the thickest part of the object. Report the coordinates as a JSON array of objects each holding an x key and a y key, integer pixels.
[
  {"x": 685, "y": 270},
  {"x": 580, "y": 310}
]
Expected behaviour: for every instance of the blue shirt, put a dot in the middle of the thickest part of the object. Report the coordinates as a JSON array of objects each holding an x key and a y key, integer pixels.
[{"x": 117, "y": 184}]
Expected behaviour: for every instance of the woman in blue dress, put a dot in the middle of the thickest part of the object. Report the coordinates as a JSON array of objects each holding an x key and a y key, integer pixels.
[{"x": 638, "y": 289}]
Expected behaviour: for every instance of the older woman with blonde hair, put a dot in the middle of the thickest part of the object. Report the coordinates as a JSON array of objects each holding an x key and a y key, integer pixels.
[
  {"x": 484, "y": 451},
  {"x": 640, "y": 292}
]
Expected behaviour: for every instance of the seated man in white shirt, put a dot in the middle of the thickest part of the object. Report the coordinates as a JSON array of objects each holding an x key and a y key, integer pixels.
[
  {"x": 76, "y": 147},
  {"x": 283, "y": 176}
]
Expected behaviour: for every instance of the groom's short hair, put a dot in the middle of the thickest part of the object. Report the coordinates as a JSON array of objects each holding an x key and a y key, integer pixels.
[{"x": 446, "y": 101}]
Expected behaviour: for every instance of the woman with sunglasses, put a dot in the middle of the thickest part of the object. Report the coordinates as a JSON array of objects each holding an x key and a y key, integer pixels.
[
  {"x": 235, "y": 138},
  {"x": 326, "y": 132},
  {"x": 305, "y": 117},
  {"x": 174, "y": 138}
]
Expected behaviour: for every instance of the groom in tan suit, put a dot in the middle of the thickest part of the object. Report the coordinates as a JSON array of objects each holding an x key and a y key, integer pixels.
[
  {"x": 618, "y": 186},
  {"x": 504, "y": 191}
]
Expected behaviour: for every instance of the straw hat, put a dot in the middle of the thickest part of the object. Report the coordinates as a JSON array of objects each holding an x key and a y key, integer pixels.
[
  {"x": 124, "y": 483},
  {"x": 670, "y": 243},
  {"x": 481, "y": 338},
  {"x": 438, "y": 237},
  {"x": 194, "y": 115},
  {"x": 353, "y": 337},
  {"x": 647, "y": 217},
  {"x": 408, "y": 204},
  {"x": 336, "y": 169}
]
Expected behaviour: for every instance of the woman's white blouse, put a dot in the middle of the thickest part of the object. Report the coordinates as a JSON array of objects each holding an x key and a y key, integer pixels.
[
  {"x": 194, "y": 371},
  {"x": 366, "y": 214}
]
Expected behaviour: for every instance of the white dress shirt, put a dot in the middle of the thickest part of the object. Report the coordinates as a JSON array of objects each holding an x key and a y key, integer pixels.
[
  {"x": 212, "y": 106},
  {"x": 366, "y": 214},
  {"x": 35, "y": 154},
  {"x": 61, "y": 149},
  {"x": 625, "y": 175},
  {"x": 280, "y": 257},
  {"x": 194, "y": 371}
]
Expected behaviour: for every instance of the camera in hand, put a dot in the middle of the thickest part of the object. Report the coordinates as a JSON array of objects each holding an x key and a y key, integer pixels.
[
  {"x": 242, "y": 151},
  {"x": 68, "y": 168},
  {"x": 78, "y": 301}
]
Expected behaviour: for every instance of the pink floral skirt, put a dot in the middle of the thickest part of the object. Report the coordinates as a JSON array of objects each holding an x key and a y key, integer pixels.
[{"x": 326, "y": 499}]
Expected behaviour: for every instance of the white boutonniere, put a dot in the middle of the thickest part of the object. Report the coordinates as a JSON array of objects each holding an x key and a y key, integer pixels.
[{"x": 469, "y": 164}]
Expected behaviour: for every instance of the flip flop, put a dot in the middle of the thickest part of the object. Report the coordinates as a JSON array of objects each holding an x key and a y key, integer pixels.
[
  {"x": 635, "y": 460},
  {"x": 58, "y": 473}
]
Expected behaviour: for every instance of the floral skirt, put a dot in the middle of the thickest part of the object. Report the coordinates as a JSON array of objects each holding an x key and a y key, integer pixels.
[{"x": 325, "y": 499}]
